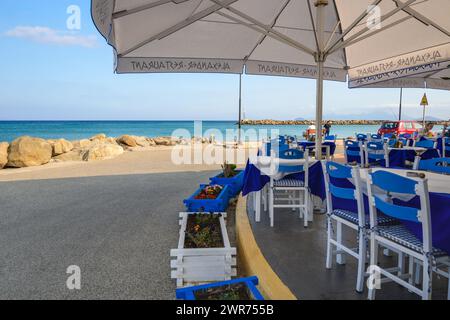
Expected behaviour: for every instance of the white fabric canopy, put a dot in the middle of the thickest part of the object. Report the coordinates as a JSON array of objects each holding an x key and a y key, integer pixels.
[{"x": 371, "y": 41}]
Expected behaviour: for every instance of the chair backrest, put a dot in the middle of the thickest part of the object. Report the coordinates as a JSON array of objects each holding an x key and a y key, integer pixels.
[
  {"x": 331, "y": 138},
  {"x": 376, "y": 151},
  {"x": 382, "y": 185},
  {"x": 353, "y": 149},
  {"x": 425, "y": 143},
  {"x": 333, "y": 170},
  {"x": 276, "y": 147},
  {"x": 439, "y": 165},
  {"x": 376, "y": 136},
  {"x": 291, "y": 154},
  {"x": 445, "y": 147},
  {"x": 361, "y": 137}
]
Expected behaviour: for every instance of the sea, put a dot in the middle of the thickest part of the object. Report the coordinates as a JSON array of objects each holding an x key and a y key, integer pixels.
[{"x": 221, "y": 130}]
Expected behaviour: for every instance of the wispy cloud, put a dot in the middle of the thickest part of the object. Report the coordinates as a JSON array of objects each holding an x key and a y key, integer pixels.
[{"x": 50, "y": 36}]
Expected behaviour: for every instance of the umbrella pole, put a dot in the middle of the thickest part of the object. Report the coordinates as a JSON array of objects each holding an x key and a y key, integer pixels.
[
  {"x": 240, "y": 110},
  {"x": 320, "y": 59},
  {"x": 400, "y": 106}
]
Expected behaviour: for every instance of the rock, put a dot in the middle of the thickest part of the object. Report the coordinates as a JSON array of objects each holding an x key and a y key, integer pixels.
[
  {"x": 102, "y": 152},
  {"x": 141, "y": 141},
  {"x": 111, "y": 140},
  {"x": 61, "y": 146},
  {"x": 164, "y": 141},
  {"x": 3, "y": 154},
  {"x": 84, "y": 143},
  {"x": 99, "y": 137},
  {"x": 74, "y": 155},
  {"x": 127, "y": 140},
  {"x": 151, "y": 142},
  {"x": 28, "y": 152}
]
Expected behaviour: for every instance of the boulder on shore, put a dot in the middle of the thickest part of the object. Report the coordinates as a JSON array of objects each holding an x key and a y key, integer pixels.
[
  {"x": 164, "y": 141},
  {"x": 127, "y": 140},
  {"x": 99, "y": 137},
  {"x": 28, "y": 152},
  {"x": 74, "y": 155},
  {"x": 102, "y": 152},
  {"x": 3, "y": 154},
  {"x": 61, "y": 146}
]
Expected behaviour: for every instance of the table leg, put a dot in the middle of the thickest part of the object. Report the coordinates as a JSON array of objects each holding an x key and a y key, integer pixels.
[{"x": 258, "y": 206}]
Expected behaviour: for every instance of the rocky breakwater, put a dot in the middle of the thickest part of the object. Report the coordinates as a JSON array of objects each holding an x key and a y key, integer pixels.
[
  {"x": 29, "y": 151},
  {"x": 268, "y": 122}
]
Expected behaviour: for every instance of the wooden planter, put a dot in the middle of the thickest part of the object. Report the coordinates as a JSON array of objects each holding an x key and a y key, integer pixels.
[
  {"x": 250, "y": 283},
  {"x": 219, "y": 204},
  {"x": 194, "y": 266},
  {"x": 235, "y": 183}
]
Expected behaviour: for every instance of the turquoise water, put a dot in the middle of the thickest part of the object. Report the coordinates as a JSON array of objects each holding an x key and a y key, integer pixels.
[{"x": 75, "y": 130}]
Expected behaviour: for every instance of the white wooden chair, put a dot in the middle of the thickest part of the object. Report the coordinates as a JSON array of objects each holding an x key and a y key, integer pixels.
[
  {"x": 381, "y": 185},
  {"x": 358, "y": 221},
  {"x": 288, "y": 192}
]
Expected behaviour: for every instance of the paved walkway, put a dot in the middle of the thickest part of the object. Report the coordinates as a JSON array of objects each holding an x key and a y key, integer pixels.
[
  {"x": 297, "y": 255},
  {"x": 117, "y": 229}
]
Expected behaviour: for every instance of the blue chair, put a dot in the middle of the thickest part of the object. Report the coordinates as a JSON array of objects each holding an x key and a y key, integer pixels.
[
  {"x": 295, "y": 194},
  {"x": 426, "y": 143},
  {"x": 406, "y": 136},
  {"x": 361, "y": 137},
  {"x": 376, "y": 152},
  {"x": 331, "y": 138},
  {"x": 376, "y": 137},
  {"x": 276, "y": 147},
  {"x": 354, "y": 149},
  {"x": 438, "y": 165},
  {"x": 381, "y": 185},
  {"x": 358, "y": 221}
]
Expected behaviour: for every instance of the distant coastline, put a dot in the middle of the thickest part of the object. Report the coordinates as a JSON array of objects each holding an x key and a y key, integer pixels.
[{"x": 269, "y": 122}]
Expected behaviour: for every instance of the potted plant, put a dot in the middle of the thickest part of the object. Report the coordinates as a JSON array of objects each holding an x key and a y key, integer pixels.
[
  {"x": 209, "y": 198},
  {"x": 204, "y": 253},
  {"x": 239, "y": 289},
  {"x": 231, "y": 177}
]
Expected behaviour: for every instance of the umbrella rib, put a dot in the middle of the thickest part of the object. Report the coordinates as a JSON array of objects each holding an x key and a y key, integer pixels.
[
  {"x": 198, "y": 16},
  {"x": 263, "y": 26},
  {"x": 352, "y": 26},
  {"x": 255, "y": 28},
  {"x": 263, "y": 37},
  {"x": 393, "y": 24},
  {"x": 125, "y": 13},
  {"x": 410, "y": 11},
  {"x": 361, "y": 32}
]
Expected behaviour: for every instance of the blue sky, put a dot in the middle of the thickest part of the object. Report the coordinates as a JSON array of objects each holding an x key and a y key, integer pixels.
[{"x": 49, "y": 72}]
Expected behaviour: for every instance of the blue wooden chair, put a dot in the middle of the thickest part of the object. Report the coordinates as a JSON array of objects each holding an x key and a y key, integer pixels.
[
  {"x": 381, "y": 185},
  {"x": 288, "y": 192},
  {"x": 438, "y": 165},
  {"x": 405, "y": 136},
  {"x": 375, "y": 153},
  {"x": 376, "y": 137},
  {"x": 331, "y": 138},
  {"x": 354, "y": 150},
  {"x": 357, "y": 221},
  {"x": 426, "y": 143},
  {"x": 276, "y": 147}
]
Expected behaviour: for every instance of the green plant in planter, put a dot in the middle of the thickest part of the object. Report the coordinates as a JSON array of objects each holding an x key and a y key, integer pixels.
[{"x": 229, "y": 170}]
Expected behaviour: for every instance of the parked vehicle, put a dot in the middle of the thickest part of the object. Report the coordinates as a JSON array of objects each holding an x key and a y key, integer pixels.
[{"x": 400, "y": 127}]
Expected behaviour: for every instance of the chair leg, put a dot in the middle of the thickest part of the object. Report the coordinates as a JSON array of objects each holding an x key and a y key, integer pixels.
[
  {"x": 264, "y": 193},
  {"x": 373, "y": 262},
  {"x": 448, "y": 288},
  {"x": 258, "y": 206},
  {"x": 427, "y": 280},
  {"x": 361, "y": 262},
  {"x": 307, "y": 213},
  {"x": 401, "y": 264},
  {"x": 411, "y": 270},
  {"x": 329, "y": 246},
  {"x": 271, "y": 209},
  {"x": 340, "y": 257},
  {"x": 417, "y": 273}
]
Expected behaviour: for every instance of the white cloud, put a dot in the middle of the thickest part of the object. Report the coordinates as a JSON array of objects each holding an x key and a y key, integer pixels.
[{"x": 50, "y": 36}]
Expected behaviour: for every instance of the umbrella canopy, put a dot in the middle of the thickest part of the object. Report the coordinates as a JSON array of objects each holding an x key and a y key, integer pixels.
[{"x": 371, "y": 41}]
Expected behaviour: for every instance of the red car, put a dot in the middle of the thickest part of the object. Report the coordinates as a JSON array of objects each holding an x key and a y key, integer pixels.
[{"x": 399, "y": 127}]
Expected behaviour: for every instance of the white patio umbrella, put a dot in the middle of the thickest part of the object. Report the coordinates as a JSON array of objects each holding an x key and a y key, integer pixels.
[{"x": 374, "y": 40}]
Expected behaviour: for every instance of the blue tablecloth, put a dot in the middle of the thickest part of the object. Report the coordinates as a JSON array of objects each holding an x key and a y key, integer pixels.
[
  {"x": 398, "y": 157},
  {"x": 305, "y": 144},
  {"x": 255, "y": 181}
]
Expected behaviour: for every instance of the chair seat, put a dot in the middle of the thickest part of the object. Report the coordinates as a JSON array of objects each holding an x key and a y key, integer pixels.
[
  {"x": 353, "y": 217},
  {"x": 287, "y": 182},
  {"x": 404, "y": 237}
]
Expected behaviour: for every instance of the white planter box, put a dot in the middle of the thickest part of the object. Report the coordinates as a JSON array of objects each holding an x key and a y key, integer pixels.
[{"x": 193, "y": 266}]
